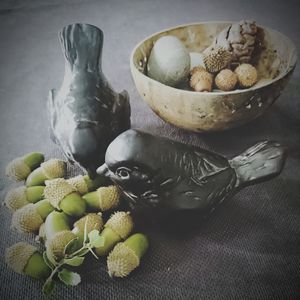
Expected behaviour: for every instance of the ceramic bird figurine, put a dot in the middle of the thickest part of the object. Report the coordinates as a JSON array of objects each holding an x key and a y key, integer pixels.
[
  {"x": 86, "y": 113},
  {"x": 158, "y": 172}
]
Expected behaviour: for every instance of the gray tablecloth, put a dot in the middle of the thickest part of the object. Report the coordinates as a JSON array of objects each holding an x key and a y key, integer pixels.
[{"x": 250, "y": 247}]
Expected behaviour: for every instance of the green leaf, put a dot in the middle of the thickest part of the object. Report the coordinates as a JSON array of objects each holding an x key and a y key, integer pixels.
[
  {"x": 74, "y": 261},
  {"x": 47, "y": 261},
  {"x": 48, "y": 287},
  {"x": 95, "y": 239},
  {"x": 69, "y": 248},
  {"x": 69, "y": 277}
]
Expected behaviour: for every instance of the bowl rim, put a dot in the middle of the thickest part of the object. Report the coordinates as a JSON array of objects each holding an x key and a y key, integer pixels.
[{"x": 219, "y": 93}]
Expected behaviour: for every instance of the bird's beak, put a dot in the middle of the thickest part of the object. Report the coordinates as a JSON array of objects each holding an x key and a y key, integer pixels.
[{"x": 103, "y": 171}]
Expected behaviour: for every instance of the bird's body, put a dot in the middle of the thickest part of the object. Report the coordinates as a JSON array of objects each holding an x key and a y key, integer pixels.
[
  {"x": 159, "y": 172},
  {"x": 86, "y": 113}
]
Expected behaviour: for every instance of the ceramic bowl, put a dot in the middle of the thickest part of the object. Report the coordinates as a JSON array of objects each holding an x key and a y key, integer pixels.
[{"x": 216, "y": 110}]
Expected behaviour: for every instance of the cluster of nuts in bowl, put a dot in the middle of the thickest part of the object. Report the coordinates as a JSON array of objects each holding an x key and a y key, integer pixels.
[{"x": 225, "y": 65}]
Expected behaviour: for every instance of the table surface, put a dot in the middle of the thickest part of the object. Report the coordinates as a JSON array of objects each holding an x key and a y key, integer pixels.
[{"x": 250, "y": 247}]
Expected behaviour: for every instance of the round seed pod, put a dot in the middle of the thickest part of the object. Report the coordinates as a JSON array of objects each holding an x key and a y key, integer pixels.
[
  {"x": 125, "y": 257},
  {"x": 53, "y": 168},
  {"x": 201, "y": 80},
  {"x": 226, "y": 80},
  {"x": 216, "y": 58},
  {"x": 56, "y": 244},
  {"x": 247, "y": 75},
  {"x": 20, "y": 168},
  {"x": 20, "y": 196}
]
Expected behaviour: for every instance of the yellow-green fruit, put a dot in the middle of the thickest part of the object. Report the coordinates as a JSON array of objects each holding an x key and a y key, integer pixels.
[
  {"x": 105, "y": 198},
  {"x": 126, "y": 256},
  {"x": 63, "y": 196},
  {"x": 20, "y": 196},
  {"x": 53, "y": 168},
  {"x": 226, "y": 80},
  {"x": 247, "y": 75},
  {"x": 41, "y": 237},
  {"x": 56, "y": 244},
  {"x": 30, "y": 217},
  {"x": 84, "y": 184},
  {"x": 117, "y": 228},
  {"x": 20, "y": 168},
  {"x": 92, "y": 221},
  {"x": 24, "y": 258}
]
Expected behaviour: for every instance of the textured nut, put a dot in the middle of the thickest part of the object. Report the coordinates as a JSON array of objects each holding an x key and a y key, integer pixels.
[
  {"x": 226, "y": 80},
  {"x": 201, "y": 80},
  {"x": 121, "y": 223},
  {"x": 216, "y": 58},
  {"x": 247, "y": 75}
]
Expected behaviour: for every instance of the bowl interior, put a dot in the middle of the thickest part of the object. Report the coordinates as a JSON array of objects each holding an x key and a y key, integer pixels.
[{"x": 275, "y": 59}]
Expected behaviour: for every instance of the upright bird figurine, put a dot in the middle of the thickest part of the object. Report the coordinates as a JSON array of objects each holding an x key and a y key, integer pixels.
[
  {"x": 159, "y": 172},
  {"x": 86, "y": 113}
]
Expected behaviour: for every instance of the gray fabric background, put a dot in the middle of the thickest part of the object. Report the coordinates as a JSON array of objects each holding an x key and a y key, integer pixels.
[{"x": 250, "y": 247}]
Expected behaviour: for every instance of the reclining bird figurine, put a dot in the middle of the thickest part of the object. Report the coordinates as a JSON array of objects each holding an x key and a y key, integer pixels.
[
  {"x": 86, "y": 113},
  {"x": 158, "y": 172}
]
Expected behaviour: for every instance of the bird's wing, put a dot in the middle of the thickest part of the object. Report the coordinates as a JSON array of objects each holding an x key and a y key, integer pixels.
[{"x": 206, "y": 167}]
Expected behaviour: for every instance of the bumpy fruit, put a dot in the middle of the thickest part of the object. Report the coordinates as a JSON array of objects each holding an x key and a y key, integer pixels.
[
  {"x": 201, "y": 80},
  {"x": 20, "y": 196},
  {"x": 53, "y": 168},
  {"x": 226, "y": 80},
  {"x": 116, "y": 229},
  {"x": 247, "y": 75},
  {"x": 84, "y": 184},
  {"x": 25, "y": 259},
  {"x": 126, "y": 256},
  {"x": 30, "y": 217},
  {"x": 20, "y": 168},
  {"x": 63, "y": 196},
  {"x": 105, "y": 198},
  {"x": 216, "y": 59}
]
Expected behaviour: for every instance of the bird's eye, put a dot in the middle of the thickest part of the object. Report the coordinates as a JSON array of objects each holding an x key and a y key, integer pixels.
[{"x": 123, "y": 173}]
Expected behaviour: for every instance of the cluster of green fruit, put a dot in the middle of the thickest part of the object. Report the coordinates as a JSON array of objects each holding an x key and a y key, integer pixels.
[{"x": 48, "y": 205}]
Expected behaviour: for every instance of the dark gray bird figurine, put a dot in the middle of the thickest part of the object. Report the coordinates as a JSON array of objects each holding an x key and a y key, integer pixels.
[
  {"x": 86, "y": 113},
  {"x": 159, "y": 172}
]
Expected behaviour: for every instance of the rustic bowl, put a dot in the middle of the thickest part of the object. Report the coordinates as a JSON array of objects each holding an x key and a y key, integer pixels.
[{"x": 216, "y": 110}]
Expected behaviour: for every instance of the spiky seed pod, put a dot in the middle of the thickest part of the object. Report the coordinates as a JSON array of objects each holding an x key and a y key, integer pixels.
[
  {"x": 118, "y": 227},
  {"x": 53, "y": 168},
  {"x": 216, "y": 58},
  {"x": 16, "y": 198},
  {"x": 56, "y": 190},
  {"x": 17, "y": 256},
  {"x": 27, "y": 219},
  {"x": 201, "y": 80},
  {"x": 79, "y": 183},
  {"x": 226, "y": 80},
  {"x": 125, "y": 257},
  {"x": 20, "y": 196},
  {"x": 92, "y": 220},
  {"x": 247, "y": 75},
  {"x": 30, "y": 217},
  {"x": 20, "y": 168},
  {"x": 121, "y": 223},
  {"x": 56, "y": 244},
  {"x": 25, "y": 259},
  {"x": 104, "y": 198}
]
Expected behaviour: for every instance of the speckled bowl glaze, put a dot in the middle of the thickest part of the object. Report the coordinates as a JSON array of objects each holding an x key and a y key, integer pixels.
[{"x": 216, "y": 110}]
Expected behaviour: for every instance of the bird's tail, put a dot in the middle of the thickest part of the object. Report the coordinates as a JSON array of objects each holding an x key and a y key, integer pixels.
[
  {"x": 82, "y": 46},
  {"x": 260, "y": 162}
]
